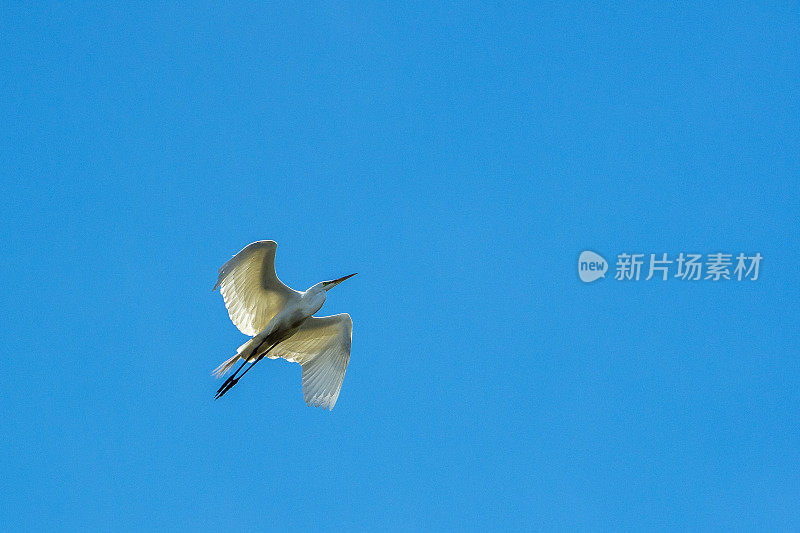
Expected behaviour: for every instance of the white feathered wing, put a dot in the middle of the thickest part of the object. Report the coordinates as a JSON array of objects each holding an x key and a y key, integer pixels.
[
  {"x": 251, "y": 289},
  {"x": 322, "y": 347}
]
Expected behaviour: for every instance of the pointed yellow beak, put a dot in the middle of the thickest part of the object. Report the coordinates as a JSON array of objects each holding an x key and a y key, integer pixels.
[{"x": 331, "y": 284}]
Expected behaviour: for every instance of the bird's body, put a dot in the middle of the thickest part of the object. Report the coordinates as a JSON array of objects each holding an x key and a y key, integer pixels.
[{"x": 281, "y": 323}]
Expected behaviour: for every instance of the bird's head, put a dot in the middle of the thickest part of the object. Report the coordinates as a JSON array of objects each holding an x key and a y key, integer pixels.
[
  {"x": 328, "y": 285},
  {"x": 324, "y": 286}
]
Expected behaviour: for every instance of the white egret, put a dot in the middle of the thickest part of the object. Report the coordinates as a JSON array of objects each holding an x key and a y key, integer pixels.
[{"x": 281, "y": 323}]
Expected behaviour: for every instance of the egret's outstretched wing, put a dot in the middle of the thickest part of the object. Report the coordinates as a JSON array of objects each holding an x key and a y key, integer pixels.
[
  {"x": 322, "y": 347},
  {"x": 252, "y": 291}
]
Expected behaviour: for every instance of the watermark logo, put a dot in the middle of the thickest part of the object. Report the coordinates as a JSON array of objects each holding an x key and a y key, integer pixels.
[
  {"x": 591, "y": 266},
  {"x": 716, "y": 266}
]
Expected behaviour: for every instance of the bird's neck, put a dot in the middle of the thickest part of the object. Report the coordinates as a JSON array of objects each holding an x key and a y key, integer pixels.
[{"x": 312, "y": 301}]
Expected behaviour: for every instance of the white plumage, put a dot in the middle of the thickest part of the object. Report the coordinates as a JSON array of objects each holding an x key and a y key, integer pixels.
[{"x": 281, "y": 323}]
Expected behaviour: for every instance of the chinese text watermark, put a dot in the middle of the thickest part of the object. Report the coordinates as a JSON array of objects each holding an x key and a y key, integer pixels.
[{"x": 685, "y": 266}]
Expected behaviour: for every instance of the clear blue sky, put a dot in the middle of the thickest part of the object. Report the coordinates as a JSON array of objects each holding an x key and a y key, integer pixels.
[{"x": 459, "y": 158}]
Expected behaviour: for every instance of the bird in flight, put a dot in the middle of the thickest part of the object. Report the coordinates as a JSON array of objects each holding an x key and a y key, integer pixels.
[{"x": 280, "y": 322}]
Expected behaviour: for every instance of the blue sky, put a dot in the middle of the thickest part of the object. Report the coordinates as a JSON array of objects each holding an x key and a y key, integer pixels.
[{"x": 459, "y": 158}]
